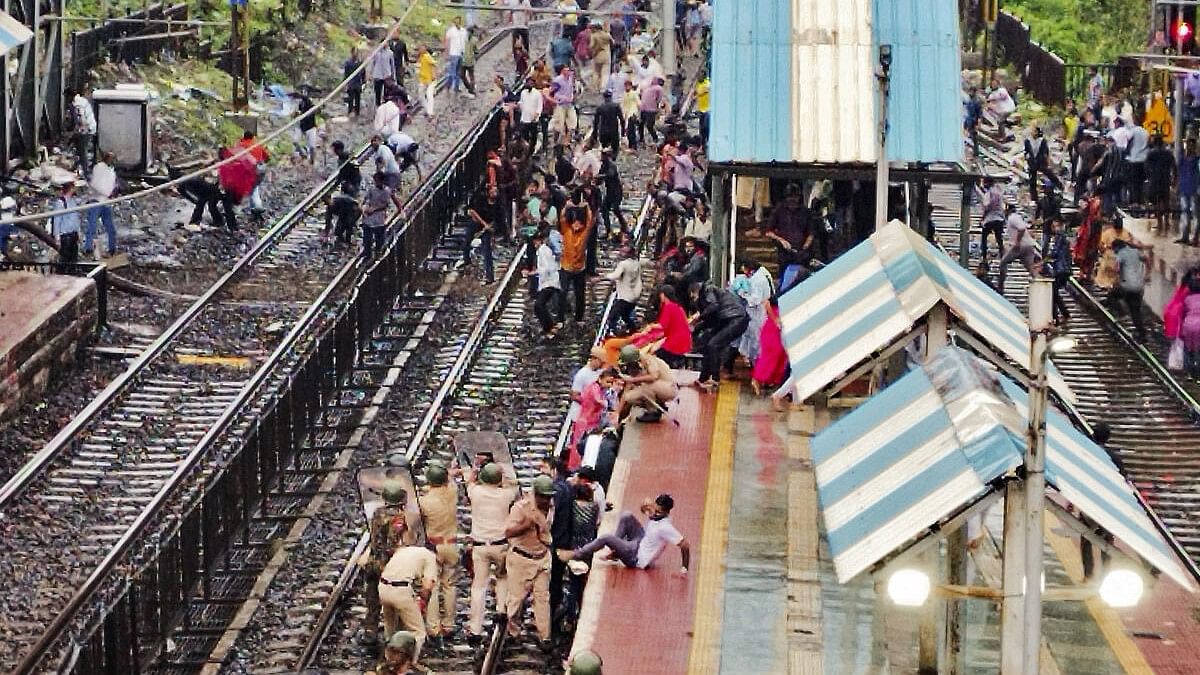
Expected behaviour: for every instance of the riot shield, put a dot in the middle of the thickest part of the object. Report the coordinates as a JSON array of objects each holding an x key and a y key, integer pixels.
[
  {"x": 370, "y": 490},
  {"x": 474, "y": 448}
]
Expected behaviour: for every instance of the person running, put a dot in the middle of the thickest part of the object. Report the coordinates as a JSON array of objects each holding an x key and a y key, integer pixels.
[
  {"x": 426, "y": 69},
  {"x": 992, "y": 220},
  {"x": 484, "y": 212},
  {"x": 547, "y": 303},
  {"x": 608, "y": 124},
  {"x": 1020, "y": 245},
  {"x": 565, "y": 121},
  {"x": 1056, "y": 264},
  {"x": 651, "y": 100},
  {"x": 627, "y": 283},
  {"x": 1133, "y": 273}
]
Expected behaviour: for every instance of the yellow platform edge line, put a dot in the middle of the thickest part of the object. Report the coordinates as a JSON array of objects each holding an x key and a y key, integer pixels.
[
  {"x": 1130, "y": 658},
  {"x": 705, "y": 656}
]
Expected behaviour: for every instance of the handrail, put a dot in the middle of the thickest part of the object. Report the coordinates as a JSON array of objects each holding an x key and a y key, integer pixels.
[
  {"x": 34, "y": 467},
  {"x": 318, "y": 307}
]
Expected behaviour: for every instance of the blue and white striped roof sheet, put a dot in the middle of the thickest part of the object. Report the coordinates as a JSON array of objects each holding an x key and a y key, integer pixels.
[
  {"x": 794, "y": 80},
  {"x": 875, "y": 293},
  {"x": 1085, "y": 475},
  {"x": 933, "y": 442},
  {"x": 13, "y": 33},
  {"x": 912, "y": 456}
]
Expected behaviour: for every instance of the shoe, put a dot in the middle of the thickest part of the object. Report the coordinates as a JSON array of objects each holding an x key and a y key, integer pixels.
[
  {"x": 460, "y": 264},
  {"x": 650, "y": 417},
  {"x": 487, "y": 282},
  {"x": 469, "y": 95}
]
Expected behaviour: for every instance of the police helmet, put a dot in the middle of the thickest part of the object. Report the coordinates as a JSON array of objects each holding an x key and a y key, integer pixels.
[
  {"x": 436, "y": 474},
  {"x": 544, "y": 486},
  {"x": 394, "y": 492},
  {"x": 404, "y": 642},
  {"x": 586, "y": 663},
  {"x": 630, "y": 355},
  {"x": 491, "y": 473}
]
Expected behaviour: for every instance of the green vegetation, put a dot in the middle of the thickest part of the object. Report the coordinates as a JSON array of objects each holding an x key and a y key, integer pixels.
[{"x": 1085, "y": 31}]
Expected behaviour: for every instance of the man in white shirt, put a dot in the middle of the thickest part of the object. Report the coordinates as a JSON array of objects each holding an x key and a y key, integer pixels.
[
  {"x": 404, "y": 148},
  {"x": 639, "y": 546},
  {"x": 103, "y": 186},
  {"x": 387, "y": 118},
  {"x": 627, "y": 282},
  {"x": 531, "y": 105},
  {"x": 589, "y": 373},
  {"x": 1120, "y": 135},
  {"x": 83, "y": 119},
  {"x": 547, "y": 305},
  {"x": 1135, "y": 162},
  {"x": 455, "y": 43},
  {"x": 1020, "y": 244}
]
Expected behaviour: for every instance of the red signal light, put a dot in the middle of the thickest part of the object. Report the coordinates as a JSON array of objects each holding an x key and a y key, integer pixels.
[{"x": 1183, "y": 30}]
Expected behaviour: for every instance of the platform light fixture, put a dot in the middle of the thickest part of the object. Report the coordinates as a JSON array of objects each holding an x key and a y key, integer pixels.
[
  {"x": 1122, "y": 588},
  {"x": 908, "y": 587}
]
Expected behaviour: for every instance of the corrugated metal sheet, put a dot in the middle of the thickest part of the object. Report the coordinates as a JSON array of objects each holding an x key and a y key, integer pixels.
[
  {"x": 875, "y": 293},
  {"x": 752, "y": 74},
  {"x": 933, "y": 442},
  {"x": 833, "y": 91},
  {"x": 794, "y": 80},
  {"x": 925, "y": 100},
  {"x": 13, "y": 33}
]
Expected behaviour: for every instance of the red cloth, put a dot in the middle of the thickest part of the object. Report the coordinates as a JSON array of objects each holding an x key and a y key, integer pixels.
[
  {"x": 675, "y": 328},
  {"x": 257, "y": 151},
  {"x": 771, "y": 365},
  {"x": 1173, "y": 313},
  {"x": 653, "y": 334},
  {"x": 238, "y": 177}
]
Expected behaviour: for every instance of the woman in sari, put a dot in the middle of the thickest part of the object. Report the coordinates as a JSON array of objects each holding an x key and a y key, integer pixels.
[
  {"x": 771, "y": 366},
  {"x": 1088, "y": 236},
  {"x": 756, "y": 292}
]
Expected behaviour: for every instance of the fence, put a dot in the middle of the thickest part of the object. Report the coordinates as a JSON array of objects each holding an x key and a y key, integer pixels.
[
  {"x": 125, "y": 41},
  {"x": 1043, "y": 73},
  {"x": 197, "y": 522},
  {"x": 1117, "y": 76}
]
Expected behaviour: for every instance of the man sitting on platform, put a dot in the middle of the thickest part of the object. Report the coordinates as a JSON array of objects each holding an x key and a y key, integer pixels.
[{"x": 637, "y": 546}]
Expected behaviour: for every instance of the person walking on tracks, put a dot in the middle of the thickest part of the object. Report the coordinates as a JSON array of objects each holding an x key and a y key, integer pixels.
[
  {"x": 387, "y": 530},
  {"x": 528, "y": 560},
  {"x": 67, "y": 226},
  {"x": 404, "y": 589},
  {"x": 439, "y": 507},
  {"x": 490, "y": 503},
  {"x": 375, "y": 214},
  {"x": 483, "y": 212}
]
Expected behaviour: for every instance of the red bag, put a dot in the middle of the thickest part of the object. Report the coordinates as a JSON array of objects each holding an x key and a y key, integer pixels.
[{"x": 238, "y": 177}]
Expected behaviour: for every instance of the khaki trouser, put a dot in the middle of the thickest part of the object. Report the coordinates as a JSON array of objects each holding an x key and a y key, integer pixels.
[
  {"x": 660, "y": 391},
  {"x": 526, "y": 577},
  {"x": 601, "y": 67},
  {"x": 444, "y": 599},
  {"x": 401, "y": 610},
  {"x": 483, "y": 557}
]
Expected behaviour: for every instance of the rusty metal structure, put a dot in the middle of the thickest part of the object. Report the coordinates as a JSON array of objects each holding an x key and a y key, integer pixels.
[{"x": 32, "y": 96}]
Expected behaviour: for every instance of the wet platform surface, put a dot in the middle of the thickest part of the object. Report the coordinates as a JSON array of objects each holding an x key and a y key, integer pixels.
[{"x": 763, "y": 596}]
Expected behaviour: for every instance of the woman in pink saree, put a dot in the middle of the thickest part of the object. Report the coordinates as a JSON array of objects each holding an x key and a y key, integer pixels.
[{"x": 771, "y": 365}]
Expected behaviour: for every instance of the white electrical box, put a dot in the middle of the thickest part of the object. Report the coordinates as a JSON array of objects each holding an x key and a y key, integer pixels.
[{"x": 123, "y": 125}]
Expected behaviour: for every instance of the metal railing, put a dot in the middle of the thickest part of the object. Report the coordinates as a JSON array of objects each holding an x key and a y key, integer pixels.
[
  {"x": 125, "y": 41},
  {"x": 197, "y": 521}
]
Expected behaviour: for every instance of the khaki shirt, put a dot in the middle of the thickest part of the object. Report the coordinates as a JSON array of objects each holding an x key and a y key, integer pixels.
[
  {"x": 526, "y": 514},
  {"x": 652, "y": 365},
  {"x": 440, "y": 507},
  {"x": 415, "y": 564},
  {"x": 489, "y": 510}
]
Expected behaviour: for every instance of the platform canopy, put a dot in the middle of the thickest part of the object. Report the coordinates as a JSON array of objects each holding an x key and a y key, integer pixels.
[
  {"x": 876, "y": 292},
  {"x": 936, "y": 441},
  {"x": 13, "y": 33},
  {"x": 794, "y": 81}
]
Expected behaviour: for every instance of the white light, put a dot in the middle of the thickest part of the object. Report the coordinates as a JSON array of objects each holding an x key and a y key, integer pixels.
[
  {"x": 1121, "y": 588},
  {"x": 1060, "y": 344},
  {"x": 908, "y": 588}
]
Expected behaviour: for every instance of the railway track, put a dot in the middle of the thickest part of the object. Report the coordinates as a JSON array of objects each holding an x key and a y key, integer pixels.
[
  {"x": 1117, "y": 381},
  {"x": 128, "y": 472}
]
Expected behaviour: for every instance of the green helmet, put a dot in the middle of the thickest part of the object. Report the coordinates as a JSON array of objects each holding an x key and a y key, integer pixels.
[
  {"x": 436, "y": 474},
  {"x": 491, "y": 473},
  {"x": 404, "y": 642},
  {"x": 543, "y": 485},
  {"x": 394, "y": 492},
  {"x": 586, "y": 663},
  {"x": 630, "y": 355}
]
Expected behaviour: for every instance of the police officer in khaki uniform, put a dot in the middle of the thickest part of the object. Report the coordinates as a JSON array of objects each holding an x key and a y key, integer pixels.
[
  {"x": 388, "y": 530},
  {"x": 404, "y": 587},
  {"x": 399, "y": 656},
  {"x": 648, "y": 383},
  {"x": 528, "y": 560},
  {"x": 586, "y": 662},
  {"x": 491, "y": 500},
  {"x": 439, "y": 506}
]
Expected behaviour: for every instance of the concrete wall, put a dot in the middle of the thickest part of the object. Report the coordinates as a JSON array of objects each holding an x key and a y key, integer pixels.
[{"x": 44, "y": 322}]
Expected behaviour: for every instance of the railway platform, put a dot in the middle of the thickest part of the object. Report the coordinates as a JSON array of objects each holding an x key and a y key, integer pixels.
[{"x": 762, "y": 596}]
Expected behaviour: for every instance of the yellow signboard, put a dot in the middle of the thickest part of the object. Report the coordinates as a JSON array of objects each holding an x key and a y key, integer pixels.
[{"x": 1158, "y": 120}]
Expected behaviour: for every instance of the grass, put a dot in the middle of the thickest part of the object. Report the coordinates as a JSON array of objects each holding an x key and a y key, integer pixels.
[{"x": 1085, "y": 31}]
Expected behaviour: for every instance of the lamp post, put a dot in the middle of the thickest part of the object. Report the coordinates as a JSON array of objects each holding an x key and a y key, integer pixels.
[
  {"x": 883, "y": 74},
  {"x": 1021, "y": 620},
  {"x": 668, "y": 41}
]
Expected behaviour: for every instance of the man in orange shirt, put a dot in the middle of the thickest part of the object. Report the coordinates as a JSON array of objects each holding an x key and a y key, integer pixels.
[{"x": 575, "y": 224}]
